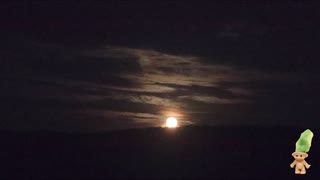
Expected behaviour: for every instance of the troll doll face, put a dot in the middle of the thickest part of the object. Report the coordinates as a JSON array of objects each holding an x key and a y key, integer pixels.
[{"x": 299, "y": 156}]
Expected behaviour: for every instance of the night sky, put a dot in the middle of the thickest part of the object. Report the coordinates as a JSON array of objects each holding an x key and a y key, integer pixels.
[{"x": 101, "y": 65}]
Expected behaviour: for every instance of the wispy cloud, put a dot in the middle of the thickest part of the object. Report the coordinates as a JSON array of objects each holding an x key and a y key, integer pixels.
[
  {"x": 138, "y": 85},
  {"x": 215, "y": 100}
]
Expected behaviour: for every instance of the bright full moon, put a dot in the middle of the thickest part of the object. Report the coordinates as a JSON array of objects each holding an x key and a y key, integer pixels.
[{"x": 171, "y": 122}]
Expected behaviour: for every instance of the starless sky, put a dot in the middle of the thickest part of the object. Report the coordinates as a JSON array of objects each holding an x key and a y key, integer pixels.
[{"x": 101, "y": 65}]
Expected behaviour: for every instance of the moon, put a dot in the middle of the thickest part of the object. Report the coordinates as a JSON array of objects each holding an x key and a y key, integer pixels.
[{"x": 171, "y": 122}]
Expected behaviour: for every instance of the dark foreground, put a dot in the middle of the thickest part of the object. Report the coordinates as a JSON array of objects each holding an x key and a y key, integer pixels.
[{"x": 188, "y": 152}]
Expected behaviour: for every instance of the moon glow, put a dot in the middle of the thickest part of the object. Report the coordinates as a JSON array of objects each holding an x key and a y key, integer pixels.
[{"x": 171, "y": 122}]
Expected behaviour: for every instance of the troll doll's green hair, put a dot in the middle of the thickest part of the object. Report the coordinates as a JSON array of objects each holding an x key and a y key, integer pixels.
[{"x": 304, "y": 142}]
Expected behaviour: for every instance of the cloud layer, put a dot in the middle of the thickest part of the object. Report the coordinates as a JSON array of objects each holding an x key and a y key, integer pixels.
[{"x": 112, "y": 87}]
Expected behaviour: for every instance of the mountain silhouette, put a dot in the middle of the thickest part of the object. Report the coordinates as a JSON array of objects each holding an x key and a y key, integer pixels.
[{"x": 235, "y": 152}]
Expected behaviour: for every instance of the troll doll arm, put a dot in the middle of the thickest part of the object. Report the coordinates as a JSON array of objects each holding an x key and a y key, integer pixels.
[
  {"x": 293, "y": 163},
  {"x": 306, "y": 164}
]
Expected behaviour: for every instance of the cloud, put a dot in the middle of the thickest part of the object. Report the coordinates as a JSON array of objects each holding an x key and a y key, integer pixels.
[
  {"x": 188, "y": 69},
  {"x": 132, "y": 86},
  {"x": 215, "y": 100},
  {"x": 166, "y": 73},
  {"x": 145, "y": 88},
  {"x": 153, "y": 100}
]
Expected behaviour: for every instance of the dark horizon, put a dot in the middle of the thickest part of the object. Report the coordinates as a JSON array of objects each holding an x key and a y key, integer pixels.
[
  {"x": 101, "y": 66},
  {"x": 188, "y": 152}
]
